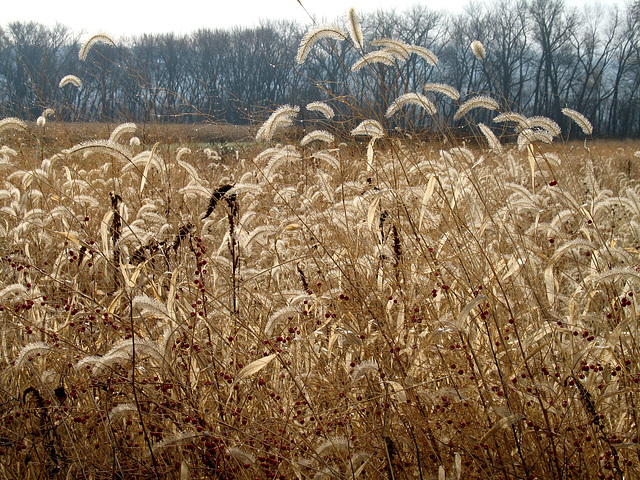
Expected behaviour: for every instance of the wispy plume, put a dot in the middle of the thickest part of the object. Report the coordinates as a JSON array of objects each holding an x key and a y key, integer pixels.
[
  {"x": 425, "y": 53},
  {"x": 411, "y": 99},
  {"x": 319, "y": 135},
  {"x": 316, "y": 34},
  {"x": 12, "y": 124},
  {"x": 442, "y": 88},
  {"x": 281, "y": 118},
  {"x": 478, "y": 50},
  {"x": 371, "y": 128},
  {"x": 94, "y": 40},
  {"x": 70, "y": 80},
  {"x": 397, "y": 48},
  {"x": 492, "y": 140},
  {"x": 355, "y": 30},
  {"x": 385, "y": 57},
  {"x": 479, "y": 101},
  {"x": 579, "y": 119},
  {"x": 321, "y": 107}
]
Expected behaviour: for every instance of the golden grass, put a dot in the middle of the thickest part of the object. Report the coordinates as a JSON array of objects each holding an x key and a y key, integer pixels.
[
  {"x": 60, "y": 134},
  {"x": 179, "y": 301},
  {"x": 335, "y": 316}
]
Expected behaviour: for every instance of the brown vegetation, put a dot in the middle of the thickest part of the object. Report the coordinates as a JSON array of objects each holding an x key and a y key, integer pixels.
[
  {"x": 350, "y": 325},
  {"x": 319, "y": 308}
]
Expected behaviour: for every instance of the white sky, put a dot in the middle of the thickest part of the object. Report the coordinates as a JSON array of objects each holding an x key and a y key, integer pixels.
[{"x": 129, "y": 17}]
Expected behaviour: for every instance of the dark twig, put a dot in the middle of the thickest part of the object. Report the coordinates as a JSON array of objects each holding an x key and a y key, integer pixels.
[{"x": 216, "y": 196}]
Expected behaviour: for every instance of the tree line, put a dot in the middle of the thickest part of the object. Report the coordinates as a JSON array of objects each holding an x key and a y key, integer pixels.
[{"x": 541, "y": 57}]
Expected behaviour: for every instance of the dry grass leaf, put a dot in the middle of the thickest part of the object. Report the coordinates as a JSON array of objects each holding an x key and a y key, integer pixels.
[
  {"x": 185, "y": 474},
  {"x": 145, "y": 173},
  {"x": 241, "y": 456},
  {"x": 504, "y": 422},
  {"x": 399, "y": 392},
  {"x": 337, "y": 444},
  {"x": 255, "y": 366},
  {"x": 458, "y": 465},
  {"x": 532, "y": 166},
  {"x": 359, "y": 461},
  {"x": 370, "y": 152},
  {"x": 550, "y": 284},
  {"x": 431, "y": 185},
  {"x": 464, "y": 313},
  {"x": 373, "y": 213}
]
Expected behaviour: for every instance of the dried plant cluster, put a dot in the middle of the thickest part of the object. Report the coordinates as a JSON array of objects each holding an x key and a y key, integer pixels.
[{"x": 377, "y": 309}]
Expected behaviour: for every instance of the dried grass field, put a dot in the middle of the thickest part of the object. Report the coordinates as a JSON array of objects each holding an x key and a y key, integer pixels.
[{"x": 361, "y": 307}]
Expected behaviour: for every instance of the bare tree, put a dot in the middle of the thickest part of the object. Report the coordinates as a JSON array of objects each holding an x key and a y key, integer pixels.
[
  {"x": 541, "y": 56},
  {"x": 34, "y": 58},
  {"x": 510, "y": 57},
  {"x": 552, "y": 28}
]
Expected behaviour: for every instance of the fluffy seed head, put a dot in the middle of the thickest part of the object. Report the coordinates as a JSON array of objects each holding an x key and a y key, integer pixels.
[
  {"x": 178, "y": 438},
  {"x": 282, "y": 117},
  {"x": 316, "y": 34},
  {"x": 31, "y": 350},
  {"x": 544, "y": 123},
  {"x": 479, "y": 101},
  {"x": 367, "y": 366},
  {"x": 411, "y": 99},
  {"x": 397, "y": 48},
  {"x": 15, "y": 291},
  {"x": 492, "y": 140},
  {"x": 320, "y": 135},
  {"x": 355, "y": 30},
  {"x": 384, "y": 56},
  {"x": 105, "y": 146},
  {"x": 517, "y": 118},
  {"x": 8, "y": 152},
  {"x": 333, "y": 444},
  {"x": 243, "y": 457},
  {"x": 95, "y": 39},
  {"x": 528, "y": 136},
  {"x": 149, "y": 305},
  {"x": 321, "y": 107},
  {"x": 580, "y": 120},
  {"x": 70, "y": 79},
  {"x": 425, "y": 53},
  {"x": 12, "y": 123},
  {"x": 442, "y": 88},
  {"x": 478, "y": 50},
  {"x": 122, "y": 410},
  {"x": 327, "y": 157},
  {"x": 120, "y": 130},
  {"x": 371, "y": 128}
]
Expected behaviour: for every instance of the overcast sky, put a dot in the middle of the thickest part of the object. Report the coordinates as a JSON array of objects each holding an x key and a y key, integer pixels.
[{"x": 130, "y": 17}]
